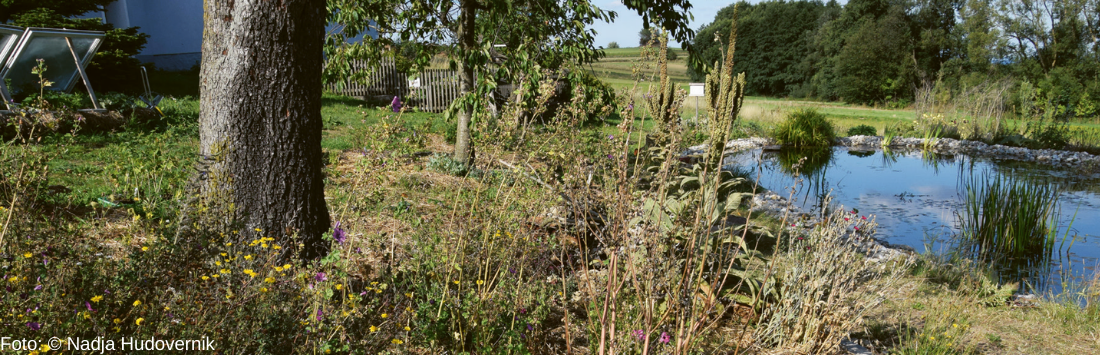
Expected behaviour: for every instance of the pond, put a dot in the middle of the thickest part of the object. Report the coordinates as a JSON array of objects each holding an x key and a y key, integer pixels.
[{"x": 914, "y": 196}]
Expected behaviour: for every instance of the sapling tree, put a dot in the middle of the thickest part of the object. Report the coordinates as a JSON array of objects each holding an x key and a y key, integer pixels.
[{"x": 539, "y": 34}]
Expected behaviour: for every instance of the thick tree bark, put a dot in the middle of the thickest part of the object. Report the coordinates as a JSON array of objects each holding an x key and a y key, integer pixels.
[
  {"x": 260, "y": 122},
  {"x": 467, "y": 41}
]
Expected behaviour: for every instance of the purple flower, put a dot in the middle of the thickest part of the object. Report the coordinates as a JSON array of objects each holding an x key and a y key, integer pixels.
[
  {"x": 396, "y": 104},
  {"x": 639, "y": 334},
  {"x": 611, "y": 137},
  {"x": 665, "y": 338},
  {"x": 319, "y": 314},
  {"x": 89, "y": 305},
  {"x": 34, "y": 325},
  {"x": 320, "y": 277},
  {"x": 338, "y": 234},
  {"x": 38, "y": 288}
]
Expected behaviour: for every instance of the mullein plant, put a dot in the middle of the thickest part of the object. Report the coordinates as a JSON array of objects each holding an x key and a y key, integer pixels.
[{"x": 724, "y": 93}]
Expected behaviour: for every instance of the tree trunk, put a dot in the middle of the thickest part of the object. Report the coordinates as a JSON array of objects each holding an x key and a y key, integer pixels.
[
  {"x": 260, "y": 122},
  {"x": 467, "y": 41}
]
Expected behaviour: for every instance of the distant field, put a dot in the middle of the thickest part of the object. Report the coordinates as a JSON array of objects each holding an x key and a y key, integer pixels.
[{"x": 617, "y": 68}]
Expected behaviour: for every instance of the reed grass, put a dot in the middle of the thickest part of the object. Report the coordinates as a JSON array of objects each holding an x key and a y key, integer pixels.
[{"x": 1008, "y": 216}]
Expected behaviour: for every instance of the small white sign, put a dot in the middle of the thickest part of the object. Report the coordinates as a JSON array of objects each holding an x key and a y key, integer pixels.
[
  {"x": 414, "y": 83},
  {"x": 696, "y": 89}
]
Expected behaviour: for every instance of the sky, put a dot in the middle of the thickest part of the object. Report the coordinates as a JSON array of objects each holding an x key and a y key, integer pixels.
[{"x": 627, "y": 24}]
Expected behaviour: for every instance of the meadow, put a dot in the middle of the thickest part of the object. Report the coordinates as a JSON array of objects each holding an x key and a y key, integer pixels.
[{"x": 558, "y": 239}]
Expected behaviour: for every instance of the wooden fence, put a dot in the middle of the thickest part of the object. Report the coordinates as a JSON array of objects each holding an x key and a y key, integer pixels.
[{"x": 438, "y": 87}]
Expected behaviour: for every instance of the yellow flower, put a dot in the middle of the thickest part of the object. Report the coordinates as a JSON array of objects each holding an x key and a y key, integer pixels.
[
  {"x": 384, "y": 315},
  {"x": 480, "y": 282},
  {"x": 259, "y": 230},
  {"x": 45, "y": 348},
  {"x": 276, "y": 247},
  {"x": 373, "y": 329},
  {"x": 218, "y": 263},
  {"x": 224, "y": 254},
  {"x": 249, "y": 272},
  {"x": 204, "y": 278},
  {"x": 396, "y": 341},
  {"x": 96, "y": 299},
  {"x": 144, "y": 248},
  {"x": 263, "y": 289},
  {"x": 137, "y": 303},
  {"x": 931, "y": 338},
  {"x": 339, "y": 287},
  {"x": 117, "y": 321},
  {"x": 27, "y": 255},
  {"x": 214, "y": 276},
  {"x": 955, "y": 325},
  {"x": 225, "y": 271},
  {"x": 286, "y": 267},
  {"x": 278, "y": 268},
  {"x": 139, "y": 320},
  {"x": 269, "y": 280},
  {"x": 13, "y": 279},
  {"x": 407, "y": 328}
]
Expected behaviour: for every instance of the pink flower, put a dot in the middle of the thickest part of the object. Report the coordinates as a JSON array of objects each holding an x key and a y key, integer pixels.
[
  {"x": 665, "y": 338},
  {"x": 864, "y": 217}
]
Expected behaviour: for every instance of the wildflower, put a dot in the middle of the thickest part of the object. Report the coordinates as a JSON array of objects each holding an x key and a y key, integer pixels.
[
  {"x": 259, "y": 230},
  {"x": 863, "y": 217},
  {"x": 269, "y": 280},
  {"x": 248, "y": 257},
  {"x": 137, "y": 303},
  {"x": 857, "y": 228},
  {"x": 480, "y": 282},
  {"x": 34, "y": 326},
  {"x": 138, "y": 321},
  {"x": 96, "y": 299},
  {"x": 956, "y": 325},
  {"x": 396, "y": 341},
  {"x": 204, "y": 278},
  {"x": 339, "y": 287},
  {"x": 286, "y": 267},
  {"x": 89, "y": 306},
  {"x": 27, "y": 255},
  {"x": 373, "y": 329},
  {"x": 224, "y": 271},
  {"x": 338, "y": 234},
  {"x": 249, "y": 272},
  {"x": 45, "y": 348},
  {"x": 117, "y": 321},
  {"x": 407, "y": 328},
  {"x": 639, "y": 334},
  {"x": 665, "y": 338},
  {"x": 396, "y": 104},
  {"x": 144, "y": 248},
  {"x": 384, "y": 315},
  {"x": 320, "y": 277},
  {"x": 263, "y": 289}
]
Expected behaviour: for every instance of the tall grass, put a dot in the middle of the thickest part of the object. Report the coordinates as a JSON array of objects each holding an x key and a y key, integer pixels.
[
  {"x": 1009, "y": 217},
  {"x": 805, "y": 128}
]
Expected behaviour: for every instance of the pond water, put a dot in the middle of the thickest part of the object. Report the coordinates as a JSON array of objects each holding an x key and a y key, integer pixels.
[{"x": 914, "y": 196}]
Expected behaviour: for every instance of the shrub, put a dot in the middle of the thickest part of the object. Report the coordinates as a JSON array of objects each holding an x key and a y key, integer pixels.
[
  {"x": 805, "y": 128},
  {"x": 446, "y": 164},
  {"x": 613, "y": 45},
  {"x": 862, "y": 130}
]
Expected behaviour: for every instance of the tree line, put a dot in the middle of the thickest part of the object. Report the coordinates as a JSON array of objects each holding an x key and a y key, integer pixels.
[{"x": 885, "y": 51}]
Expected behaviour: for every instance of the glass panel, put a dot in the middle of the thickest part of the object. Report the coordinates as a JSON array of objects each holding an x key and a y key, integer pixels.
[
  {"x": 60, "y": 67},
  {"x": 8, "y": 37}
]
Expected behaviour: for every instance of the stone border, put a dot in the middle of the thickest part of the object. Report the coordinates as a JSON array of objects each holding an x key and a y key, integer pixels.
[{"x": 1057, "y": 158}]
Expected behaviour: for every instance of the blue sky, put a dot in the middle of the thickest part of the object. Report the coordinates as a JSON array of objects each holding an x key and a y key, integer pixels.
[{"x": 626, "y": 26}]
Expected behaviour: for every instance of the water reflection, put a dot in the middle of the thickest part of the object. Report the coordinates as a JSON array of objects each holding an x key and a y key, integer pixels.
[{"x": 914, "y": 195}]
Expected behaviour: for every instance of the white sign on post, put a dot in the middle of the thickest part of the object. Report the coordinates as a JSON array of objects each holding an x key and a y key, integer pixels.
[
  {"x": 414, "y": 83},
  {"x": 696, "y": 89}
]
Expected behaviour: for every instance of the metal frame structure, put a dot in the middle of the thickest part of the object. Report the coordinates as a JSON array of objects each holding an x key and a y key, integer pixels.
[{"x": 12, "y": 57}]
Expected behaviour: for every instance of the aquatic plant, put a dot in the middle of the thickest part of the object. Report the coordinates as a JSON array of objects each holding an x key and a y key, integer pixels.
[
  {"x": 862, "y": 130},
  {"x": 1008, "y": 216},
  {"x": 806, "y": 127}
]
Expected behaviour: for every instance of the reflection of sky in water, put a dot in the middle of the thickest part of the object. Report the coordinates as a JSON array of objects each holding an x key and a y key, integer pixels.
[{"x": 914, "y": 198}]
